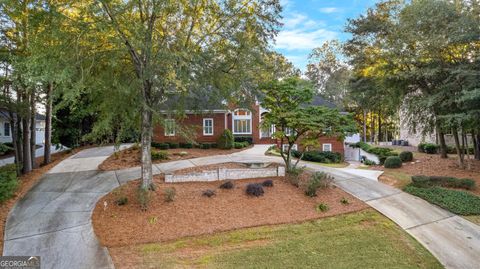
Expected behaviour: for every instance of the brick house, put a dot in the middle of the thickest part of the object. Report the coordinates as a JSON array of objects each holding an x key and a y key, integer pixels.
[{"x": 208, "y": 124}]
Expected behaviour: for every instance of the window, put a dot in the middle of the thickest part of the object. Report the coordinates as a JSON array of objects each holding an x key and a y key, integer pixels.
[
  {"x": 288, "y": 131},
  {"x": 242, "y": 122},
  {"x": 327, "y": 147},
  {"x": 169, "y": 127},
  {"x": 207, "y": 126},
  {"x": 285, "y": 147},
  {"x": 6, "y": 129}
]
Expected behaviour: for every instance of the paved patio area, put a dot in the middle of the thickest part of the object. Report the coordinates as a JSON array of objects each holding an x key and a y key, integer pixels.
[{"x": 53, "y": 219}]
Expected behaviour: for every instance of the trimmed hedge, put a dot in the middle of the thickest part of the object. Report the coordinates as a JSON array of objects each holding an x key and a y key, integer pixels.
[
  {"x": 428, "y": 148},
  {"x": 8, "y": 181},
  {"x": 186, "y": 145},
  {"x": 247, "y": 139},
  {"x": 173, "y": 145},
  {"x": 458, "y": 202},
  {"x": 4, "y": 149},
  {"x": 406, "y": 156},
  {"x": 393, "y": 162},
  {"x": 319, "y": 156},
  {"x": 448, "y": 182}
]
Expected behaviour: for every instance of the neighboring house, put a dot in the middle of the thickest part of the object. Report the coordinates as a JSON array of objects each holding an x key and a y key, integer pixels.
[
  {"x": 6, "y": 128},
  {"x": 208, "y": 124}
]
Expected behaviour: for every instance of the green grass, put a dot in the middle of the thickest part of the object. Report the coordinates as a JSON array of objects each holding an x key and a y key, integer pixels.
[
  {"x": 401, "y": 179},
  {"x": 359, "y": 240},
  {"x": 455, "y": 201},
  {"x": 475, "y": 219}
]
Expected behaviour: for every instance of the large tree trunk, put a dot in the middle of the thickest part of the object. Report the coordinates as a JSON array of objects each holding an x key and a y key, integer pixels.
[
  {"x": 476, "y": 145},
  {"x": 15, "y": 141},
  {"x": 27, "y": 160},
  {"x": 441, "y": 139},
  {"x": 372, "y": 128},
  {"x": 146, "y": 147},
  {"x": 48, "y": 125},
  {"x": 364, "y": 126},
  {"x": 380, "y": 136},
  {"x": 461, "y": 162},
  {"x": 33, "y": 126}
]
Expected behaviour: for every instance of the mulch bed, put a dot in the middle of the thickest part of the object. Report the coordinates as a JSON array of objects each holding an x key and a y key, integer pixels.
[
  {"x": 192, "y": 214},
  {"x": 131, "y": 157},
  {"x": 27, "y": 181},
  {"x": 433, "y": 165}
]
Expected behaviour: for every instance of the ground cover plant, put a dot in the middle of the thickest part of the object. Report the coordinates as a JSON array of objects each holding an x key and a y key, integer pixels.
[
  {"x": 448, "y": 182},
  {"x": 8, "y": 182},
  {"x": 455, "y": 201},
  {"x": 364, "y": 239}
]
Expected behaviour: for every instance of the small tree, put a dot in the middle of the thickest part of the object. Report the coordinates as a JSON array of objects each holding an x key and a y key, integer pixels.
[{"x": 296, "y": 120}]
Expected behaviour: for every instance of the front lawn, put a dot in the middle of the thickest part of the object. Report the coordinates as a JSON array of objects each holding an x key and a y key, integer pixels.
[{"x": 364, "y": 239}]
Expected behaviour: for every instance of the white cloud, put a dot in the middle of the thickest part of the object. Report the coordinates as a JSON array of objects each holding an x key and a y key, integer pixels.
[
  {"x": 303, "y": 39},
  {"x": 294, "y": 20},
  {"x": 329, "y": 10}
]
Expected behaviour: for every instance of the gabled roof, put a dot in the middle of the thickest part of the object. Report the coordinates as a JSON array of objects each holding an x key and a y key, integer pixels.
[{"x": 5, "y": 114}]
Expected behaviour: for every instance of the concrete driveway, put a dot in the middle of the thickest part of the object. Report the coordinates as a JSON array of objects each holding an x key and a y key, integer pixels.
[{"x": 53, "y": 219}]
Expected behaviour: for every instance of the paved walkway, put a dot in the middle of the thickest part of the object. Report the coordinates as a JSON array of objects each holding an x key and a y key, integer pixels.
[{"x": 53, "y": 219}]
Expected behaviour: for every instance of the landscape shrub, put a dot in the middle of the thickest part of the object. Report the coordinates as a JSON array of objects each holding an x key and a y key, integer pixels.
[
  {"x": 225, "y": 141},
  {"x": 368, "y": 162},
  {"x": 205, "y": 146},
  {"x": 8, "y": 144},
  {"x": 213, "y": 145},
  {"x": 322, "y": 207},
  {"x": 143, "y": 196},
  {"x": 169, "y": 194},
  {"x": 455, "y": 201},
  {"x": 267, "y": 183},
  {"x": 319, "y": 180},
  {"x": 4, "y": 149},
  {"x": 8, "y": 181},
  {"x": 393, "y": 162},
  {"x": 186, "y": 145},
  {"x": 208, "y": 193},
  {"x": 173, "y": 145},
  {"x": 319, "y": 156},
  {"x": 255, "y": 189},
  {"x": 241, "y": 139},
  {"x": 344, "y": 201},
  {"x": 238, "y": 145},
  {"x": 159, "y": 155},
  {"x": 121, "y": 201},
  {"x": 227, "y": 185},
  {"x": 448, "y": 182},
  {"x": 428, "y": 148},
  {"x": 406, "y": 156},
  {"x": 293, "y": 175},
  {"x": 453, "y": 150},
  {"x": 154, "y": 145}
]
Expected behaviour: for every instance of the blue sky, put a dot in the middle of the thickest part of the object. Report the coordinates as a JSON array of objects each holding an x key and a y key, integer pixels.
[{"x": 309, "y": 23}]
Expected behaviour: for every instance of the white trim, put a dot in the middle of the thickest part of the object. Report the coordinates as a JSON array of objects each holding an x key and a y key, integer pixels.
[
  {"x": 327, "y": 144},
  {"x": 165, "y": 127},
  {"x": 242, "y": 117},
  {"x": 203, "y": 126}
]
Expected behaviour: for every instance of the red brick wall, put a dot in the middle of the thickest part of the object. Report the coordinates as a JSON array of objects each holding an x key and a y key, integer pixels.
[{"x": 193, "y": 122}]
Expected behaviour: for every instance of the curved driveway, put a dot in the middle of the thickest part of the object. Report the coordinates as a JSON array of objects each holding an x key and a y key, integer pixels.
[{"x": 53, "y": 220}]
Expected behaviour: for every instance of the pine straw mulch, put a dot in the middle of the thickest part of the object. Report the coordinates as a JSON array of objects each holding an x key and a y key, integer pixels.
[
  {"x": 27, "y": 181},
  {"x": 131, "y": 157},
  {"x": 192, "y": 214},
  {"x": 433, "y": 165}
]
